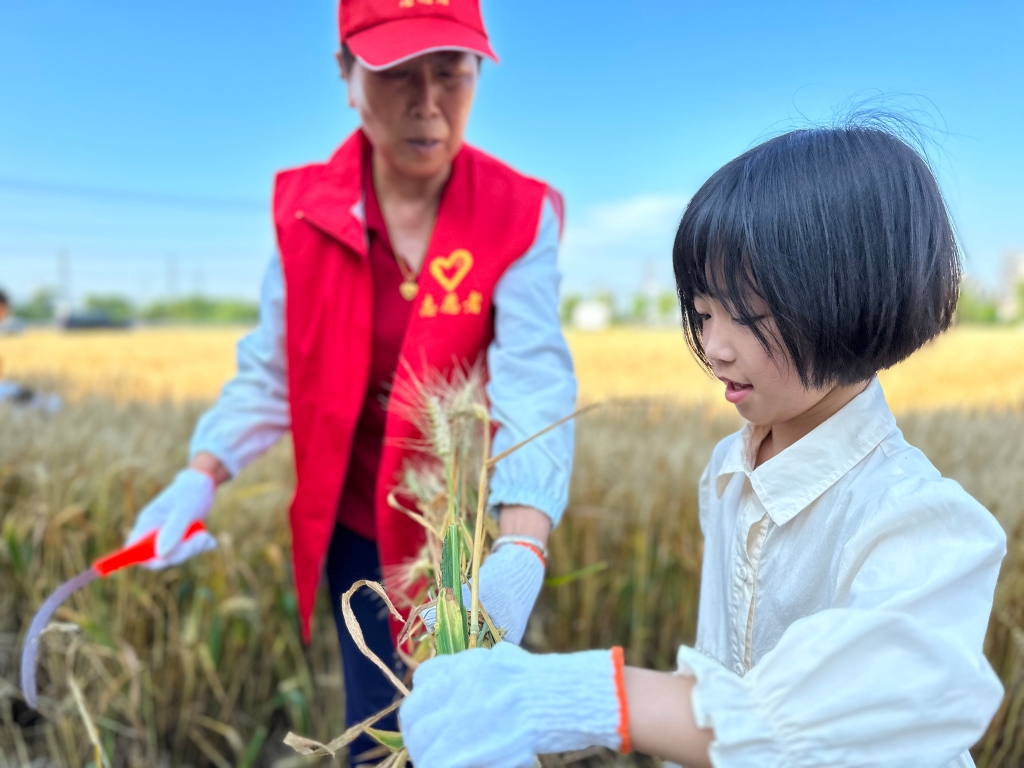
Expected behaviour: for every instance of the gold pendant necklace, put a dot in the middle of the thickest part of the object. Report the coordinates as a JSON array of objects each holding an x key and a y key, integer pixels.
[{"x": 408, "y": 289}]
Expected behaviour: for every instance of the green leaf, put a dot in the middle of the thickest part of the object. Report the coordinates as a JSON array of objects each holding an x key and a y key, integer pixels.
[
  {"x": 18, "y": 560},
  {"x": 451, "y": 561},
  {"x": 455, "y": 636},
  {"x": 390, "y": 739},
  {"x": 215, "y": 639},
  {"x": 252, "y": 750},
  {"x": 450, "y": 630},
  {"x": 581, "y": 573}
]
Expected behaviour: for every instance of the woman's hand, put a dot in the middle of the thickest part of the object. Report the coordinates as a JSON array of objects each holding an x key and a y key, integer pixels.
[
  {"x": 511, "y": 578},
  {"x": 512, "y": 575},
  {"x": 187, "y": 499},
  {"x": 501, "y": 707}
]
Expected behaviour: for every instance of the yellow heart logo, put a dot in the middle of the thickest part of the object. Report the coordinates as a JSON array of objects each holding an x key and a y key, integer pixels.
[{"x": 450, "y": 270}]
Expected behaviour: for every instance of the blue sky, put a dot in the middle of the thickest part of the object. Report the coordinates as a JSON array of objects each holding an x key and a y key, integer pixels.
[{"x": 140, "y": 139}]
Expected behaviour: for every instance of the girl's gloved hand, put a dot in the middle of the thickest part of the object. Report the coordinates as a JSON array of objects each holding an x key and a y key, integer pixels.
[
  {"x": 501, "y": 707},
  {"x": 187, "y": 499},
  {"x": 510, "y": 580}
]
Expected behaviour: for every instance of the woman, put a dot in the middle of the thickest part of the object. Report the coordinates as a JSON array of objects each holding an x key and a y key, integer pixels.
[{"x": 408, "y": 251}]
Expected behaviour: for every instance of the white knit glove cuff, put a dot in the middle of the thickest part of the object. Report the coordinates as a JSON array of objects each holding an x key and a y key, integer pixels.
[{"x": 576, "y": 700}]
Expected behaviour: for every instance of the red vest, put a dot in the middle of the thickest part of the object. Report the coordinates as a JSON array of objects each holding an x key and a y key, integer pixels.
[{"x": 488, "y": 218}]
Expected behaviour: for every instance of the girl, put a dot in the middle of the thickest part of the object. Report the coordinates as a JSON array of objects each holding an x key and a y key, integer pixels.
[
  {"x": 846, "y": 585},
  {"x": 407, "y": 252}
]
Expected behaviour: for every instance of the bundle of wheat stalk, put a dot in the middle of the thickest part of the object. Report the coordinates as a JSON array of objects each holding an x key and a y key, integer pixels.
[{"x": 447, "y": 486}]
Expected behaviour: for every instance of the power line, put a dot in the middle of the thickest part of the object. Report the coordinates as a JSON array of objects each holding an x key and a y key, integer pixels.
[{"x": 238, "y": 205}]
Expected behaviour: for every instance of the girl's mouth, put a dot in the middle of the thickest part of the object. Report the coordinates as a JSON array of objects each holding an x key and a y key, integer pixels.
[{"x": 736, "y": 393}]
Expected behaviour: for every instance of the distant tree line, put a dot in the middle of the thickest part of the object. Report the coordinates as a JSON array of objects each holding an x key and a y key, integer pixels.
[
  {"x": 976, "y": 306},
  {"x": 42, "y": 307},
  {"x": 661, "y": 309}
]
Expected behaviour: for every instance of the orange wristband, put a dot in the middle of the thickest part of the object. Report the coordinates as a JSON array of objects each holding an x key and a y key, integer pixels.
[
  {"x": 535, "y": 551},
  {"x": 619, "y": 663}
]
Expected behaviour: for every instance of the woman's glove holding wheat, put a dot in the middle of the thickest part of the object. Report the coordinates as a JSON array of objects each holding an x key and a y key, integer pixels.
[
  {"x": 510, "y": 706},
  {"x": 183, "y": 502},
  {"x": 510, "y": 580}
]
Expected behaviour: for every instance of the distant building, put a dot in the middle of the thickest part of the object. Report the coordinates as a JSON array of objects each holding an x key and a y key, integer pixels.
[
  {"x": 1012, "y": 286},
  {"x": 591, "y": 316}
]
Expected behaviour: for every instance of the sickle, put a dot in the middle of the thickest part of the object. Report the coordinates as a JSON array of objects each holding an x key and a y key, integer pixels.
[{"x": 141, "y": 551}]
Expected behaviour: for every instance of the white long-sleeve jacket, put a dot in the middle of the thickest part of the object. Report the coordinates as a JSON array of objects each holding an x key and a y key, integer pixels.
[{"x": 531, "y": 382}]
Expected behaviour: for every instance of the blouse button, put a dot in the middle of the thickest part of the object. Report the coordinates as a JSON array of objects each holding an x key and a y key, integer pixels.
[
  {"x": 738, "y": 668},
  {"x": 741, "y": 572},
  {"x": 300, "y": 214}
]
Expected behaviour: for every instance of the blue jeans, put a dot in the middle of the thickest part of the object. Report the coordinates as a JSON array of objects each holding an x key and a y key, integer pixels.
[{"x": 367, "y": 691}]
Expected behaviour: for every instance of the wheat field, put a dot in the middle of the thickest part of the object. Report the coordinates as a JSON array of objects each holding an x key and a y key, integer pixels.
[
  {"x": 976, "y": 368},
  {"x": 202, "y": 665}
]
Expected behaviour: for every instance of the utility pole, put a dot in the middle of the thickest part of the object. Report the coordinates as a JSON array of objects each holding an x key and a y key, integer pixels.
[
  {"x": 64, "y": 275},
  {"x": 63, "y": 305},
  {"x": 172, "y": 278}
]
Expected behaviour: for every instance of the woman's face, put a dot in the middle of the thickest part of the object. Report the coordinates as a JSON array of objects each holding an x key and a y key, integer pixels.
[{"x": 415, "y": 113}]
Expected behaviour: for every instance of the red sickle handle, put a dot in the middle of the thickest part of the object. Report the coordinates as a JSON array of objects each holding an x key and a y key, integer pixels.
[{"x": 141, "y": 551}]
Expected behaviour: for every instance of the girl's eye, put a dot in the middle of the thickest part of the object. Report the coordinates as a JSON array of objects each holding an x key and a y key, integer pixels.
[
  {"x": 750, "y": 322},
  {"x": 703, "y": 317}
]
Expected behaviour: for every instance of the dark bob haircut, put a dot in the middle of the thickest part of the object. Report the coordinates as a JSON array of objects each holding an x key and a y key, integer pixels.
[{"x": 842, "y": 233}]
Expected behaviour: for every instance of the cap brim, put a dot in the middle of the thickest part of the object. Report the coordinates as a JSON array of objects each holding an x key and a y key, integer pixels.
[{"x": 393, "y": 42}]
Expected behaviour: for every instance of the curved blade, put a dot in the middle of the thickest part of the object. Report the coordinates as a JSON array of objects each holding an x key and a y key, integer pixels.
[{"x": 39, "y": 622}]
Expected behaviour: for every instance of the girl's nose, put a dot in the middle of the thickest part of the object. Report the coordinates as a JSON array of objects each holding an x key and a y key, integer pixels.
[{"x": 717, "y": 343}]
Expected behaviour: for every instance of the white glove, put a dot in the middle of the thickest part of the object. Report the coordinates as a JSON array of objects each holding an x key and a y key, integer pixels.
[
  {"x": 183, "y": 502},
  {"x": 510, "y": 580},
  {"x": 500, "y": 707}
]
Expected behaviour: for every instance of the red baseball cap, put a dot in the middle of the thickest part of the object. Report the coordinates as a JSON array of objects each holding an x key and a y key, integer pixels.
[{"x": 383, "y": 33}]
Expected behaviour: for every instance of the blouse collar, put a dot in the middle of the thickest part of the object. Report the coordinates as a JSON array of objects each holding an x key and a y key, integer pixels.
[{"x": 789, "y": 482}]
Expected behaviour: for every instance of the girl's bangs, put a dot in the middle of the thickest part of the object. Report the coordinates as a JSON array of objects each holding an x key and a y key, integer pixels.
[{"x": 715, "y": 253}]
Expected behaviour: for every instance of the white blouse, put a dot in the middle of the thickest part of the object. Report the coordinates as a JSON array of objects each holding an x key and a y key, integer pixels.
[{"x": 845, "y": 595}]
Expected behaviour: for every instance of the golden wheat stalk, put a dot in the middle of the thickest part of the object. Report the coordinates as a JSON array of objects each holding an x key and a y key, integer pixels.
[{"x": 452, "y": 414}]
